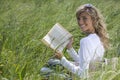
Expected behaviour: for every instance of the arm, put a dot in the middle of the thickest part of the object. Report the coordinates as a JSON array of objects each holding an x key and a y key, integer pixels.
[
  {"x": 70, "y": 66},
  {"x": 73, "y": 54},
  {"x": 84, "y": 55}
]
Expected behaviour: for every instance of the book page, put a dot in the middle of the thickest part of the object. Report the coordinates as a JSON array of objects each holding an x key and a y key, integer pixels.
[{"x": 57, "y": 38}]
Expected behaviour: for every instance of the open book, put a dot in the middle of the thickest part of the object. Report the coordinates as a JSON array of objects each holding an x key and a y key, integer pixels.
[{"x": 57, "y": 38}]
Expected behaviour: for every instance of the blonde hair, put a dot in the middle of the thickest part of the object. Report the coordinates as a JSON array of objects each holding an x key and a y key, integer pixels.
[{"x": 98, "y": 22}]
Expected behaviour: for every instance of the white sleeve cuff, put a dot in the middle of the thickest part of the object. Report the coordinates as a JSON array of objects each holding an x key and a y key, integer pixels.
[{"x": 63, "y": 60}]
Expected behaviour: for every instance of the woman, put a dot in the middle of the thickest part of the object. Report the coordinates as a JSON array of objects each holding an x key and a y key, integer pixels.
[{"x": 92, "y": 47}]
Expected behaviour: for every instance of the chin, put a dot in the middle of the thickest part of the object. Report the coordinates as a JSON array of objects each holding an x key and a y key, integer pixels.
[{"x": 83, "y": 30}]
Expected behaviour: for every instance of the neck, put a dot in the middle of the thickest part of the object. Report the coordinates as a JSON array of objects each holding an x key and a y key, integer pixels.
[{"x": 89, "y": 32}]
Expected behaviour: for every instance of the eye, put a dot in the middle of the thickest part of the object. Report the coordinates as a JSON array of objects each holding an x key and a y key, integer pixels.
[
  {"x": 85, "y": 18},
  {"x": 78, "y": 18}
]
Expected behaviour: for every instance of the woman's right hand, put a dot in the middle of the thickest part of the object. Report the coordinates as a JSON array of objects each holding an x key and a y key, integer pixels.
[{"x": 69, "y": 45}]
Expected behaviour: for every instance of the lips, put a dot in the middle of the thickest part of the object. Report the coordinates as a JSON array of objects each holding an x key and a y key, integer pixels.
[{"x": 82, "y": 26}]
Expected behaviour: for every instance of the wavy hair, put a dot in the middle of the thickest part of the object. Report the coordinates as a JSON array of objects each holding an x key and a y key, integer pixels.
[{"x": 98, "y": 22}]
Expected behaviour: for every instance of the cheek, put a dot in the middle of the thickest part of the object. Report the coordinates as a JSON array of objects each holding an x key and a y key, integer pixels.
[{"x": 90, "y": 23}]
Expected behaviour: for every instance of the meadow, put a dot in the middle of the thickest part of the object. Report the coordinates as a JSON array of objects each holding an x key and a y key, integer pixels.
[{"x": 23, "y": 23}]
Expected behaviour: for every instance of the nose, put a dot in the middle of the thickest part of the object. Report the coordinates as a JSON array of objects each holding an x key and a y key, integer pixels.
[{"x": 81, "y": 22}]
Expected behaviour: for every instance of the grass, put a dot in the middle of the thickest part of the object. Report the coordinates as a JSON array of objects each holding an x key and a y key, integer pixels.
[{"x": 24, "y": 22}]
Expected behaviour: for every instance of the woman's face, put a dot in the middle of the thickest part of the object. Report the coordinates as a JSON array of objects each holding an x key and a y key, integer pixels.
[{"x": 86, "y": 23}]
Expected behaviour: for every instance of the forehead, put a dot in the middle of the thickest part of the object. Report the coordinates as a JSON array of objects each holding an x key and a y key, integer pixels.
[{"x": 84, "y": 14}]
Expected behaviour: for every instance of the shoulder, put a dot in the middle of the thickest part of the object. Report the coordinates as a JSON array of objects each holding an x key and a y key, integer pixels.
[
  {"x": 84, "y": 41},
  {"x": 91, "y": 37},
  {"x": 90, "y": 40}
]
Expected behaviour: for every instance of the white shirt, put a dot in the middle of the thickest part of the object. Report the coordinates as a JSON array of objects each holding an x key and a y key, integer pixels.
[{"x": 91, "y": 48}]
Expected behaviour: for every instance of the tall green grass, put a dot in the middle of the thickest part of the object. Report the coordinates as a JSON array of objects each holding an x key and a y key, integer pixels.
[{"x": 24, "y": 22}]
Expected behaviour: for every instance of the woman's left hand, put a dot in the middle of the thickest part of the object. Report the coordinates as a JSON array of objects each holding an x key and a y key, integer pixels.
[
  {"x": 58, "y": 55},
  {"x": 69, "y": 45}
]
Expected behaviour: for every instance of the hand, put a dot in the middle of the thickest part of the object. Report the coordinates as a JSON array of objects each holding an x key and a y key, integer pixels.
[
  {"x": 69, "y": 45},
  {"x": 58, "y": 55}
]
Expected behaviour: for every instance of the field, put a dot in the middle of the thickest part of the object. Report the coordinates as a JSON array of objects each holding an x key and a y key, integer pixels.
[{"x": 23, "y": 23}]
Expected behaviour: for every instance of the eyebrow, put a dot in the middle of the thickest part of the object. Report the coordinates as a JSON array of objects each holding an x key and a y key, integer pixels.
[{"x": 83, "y": 16}]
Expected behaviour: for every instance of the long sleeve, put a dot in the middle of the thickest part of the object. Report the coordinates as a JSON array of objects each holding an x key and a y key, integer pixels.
[
  {"x": 73, "y": 54},
  {"x": 84, "y": 59},
  {"x": 85, "y": 54}
]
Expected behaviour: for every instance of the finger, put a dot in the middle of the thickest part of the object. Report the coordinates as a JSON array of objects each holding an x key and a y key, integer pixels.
[{"x": 57, "y": 51}]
